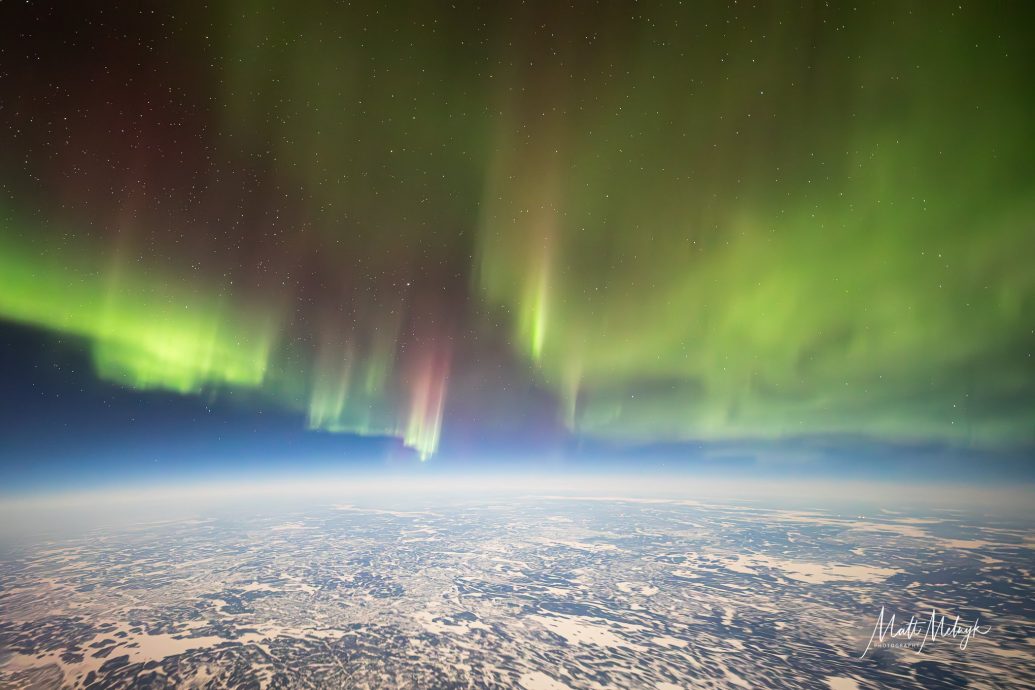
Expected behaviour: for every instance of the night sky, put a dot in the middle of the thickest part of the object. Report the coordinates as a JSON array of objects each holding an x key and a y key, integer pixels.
[{"x": 628, "y": 233}]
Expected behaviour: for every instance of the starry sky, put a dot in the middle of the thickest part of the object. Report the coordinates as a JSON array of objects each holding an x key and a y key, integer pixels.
[{"x": 437, "y": 230}]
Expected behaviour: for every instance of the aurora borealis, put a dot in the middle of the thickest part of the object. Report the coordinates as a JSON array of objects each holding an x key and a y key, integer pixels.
[{"x": 620, "y": 222}]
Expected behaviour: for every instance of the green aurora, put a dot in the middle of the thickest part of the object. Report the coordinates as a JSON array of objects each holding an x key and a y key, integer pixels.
[{"x": 685, "y": 223}]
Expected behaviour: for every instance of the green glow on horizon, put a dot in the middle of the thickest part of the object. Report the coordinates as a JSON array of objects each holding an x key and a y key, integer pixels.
[{"x": 144, "y": 331}]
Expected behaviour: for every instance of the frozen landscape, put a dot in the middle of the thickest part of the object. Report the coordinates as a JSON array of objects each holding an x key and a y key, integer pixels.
[{"x": 541, "y": 593}]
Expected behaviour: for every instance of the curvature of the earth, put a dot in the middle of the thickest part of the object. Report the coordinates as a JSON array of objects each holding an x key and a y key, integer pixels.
[{"x": 535, "y": 593}]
